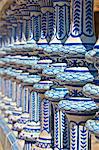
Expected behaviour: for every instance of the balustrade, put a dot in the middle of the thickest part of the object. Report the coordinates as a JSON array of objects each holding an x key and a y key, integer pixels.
[{"x": 45, "y": 73}]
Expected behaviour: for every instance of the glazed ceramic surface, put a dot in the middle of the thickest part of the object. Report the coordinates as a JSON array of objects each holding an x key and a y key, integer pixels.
[
  {"x": 44, "y": 85},
  {"x": 55, "y": 69},
  {"x": 91, "y": 90},
  {"x": 56, "y": 94},
  {"x": 75, "y": 105},
  {"x": 93, "y": 126},
  {"x": 41, "y": 64},
  {"x": 78, "y": 111},
  {"x": 76, "y": 76}
]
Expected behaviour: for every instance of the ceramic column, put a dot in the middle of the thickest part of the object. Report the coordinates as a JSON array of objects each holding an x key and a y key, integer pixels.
[
  {"x": 19, "y": 27},
  {"x": 35, "y": 105},
  {"x": 62, "y": 21},
  {"x": 10, "y": 88},
  {"x": 45, "y": 138},
  {"x": 82, "y": 24},
  {"x": 9, "y": 39},
  {"x": 26, "y": 23},
  {"x": 19, "y": 95},
  {"x": 14, "y": 30},
  {"x": 14, "y": 90},
  {"x": 82, "y": 35},
  {"x": 25, "y": 99},
  {"x": 61, "y": 129},
  {"x": 78, "y": 114},
  {"x": 78, "y": 136},
  {"x": 47, "y": 20},
  {"x": 34, "y": 22},
  {"x": 45, "y": 121},
  {"x": 60, "y": 122},
  {"x": 24, "y": 117}
]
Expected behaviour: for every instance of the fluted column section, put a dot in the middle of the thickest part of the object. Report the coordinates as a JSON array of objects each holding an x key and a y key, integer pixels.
[
  {"x": 35, "y": 107},
  {"x": 47, "y": 20},
  {"x": 25, "y": 99},
  {"x": 62, "y": 21},
  {"x": 82, "y": 30}
]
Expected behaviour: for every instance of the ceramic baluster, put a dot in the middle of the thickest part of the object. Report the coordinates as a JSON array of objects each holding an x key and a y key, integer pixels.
[
  {"x": 19, "y": 95},
  {"x": 93, "y": 127},
  {"x": 26, "y": 19},
  {"x": 2, "y": 87},
  {"x": 33, "y": 124},
  {"x": 19, "y": 99},
  {"x": 26, "y": 94},
  {"x": 26, "y": 23},
  {"x": 61, "y": 132},
  {"x": 61, "y": 28},
  {"x": 78, "y": 111},
  {"x": 21, "y": 122},
  {"x": 34, "y": 25},
  {"x": 14, "y": 90},
  {"x": 82, "y": 36},
  {"x": 62, "y": 21},
  {"x": 36, "y": 21},
  {"x": 19, "y": 28},
  {"x": 47, "y": 20},
  {"x": 9, "y": 27},
  {"x": 10, "y": 89},
  {"x": 35, "y": 18},
  {"x": 44, "y": 140},
  {"x": 14, "y": 28}
]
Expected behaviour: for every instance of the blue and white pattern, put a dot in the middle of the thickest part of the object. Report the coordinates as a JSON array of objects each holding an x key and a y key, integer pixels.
[
  {"x": 92, "y": 91},
  {"x": 19, "y": 95},
  {"x": 47, "y": 18},
  {"x": 43, "y": 85},
  {"x": 76, "y": 76},
  {"x": 46, "y": 105},
  {"x": 54, "y": 69},
  {"x": 79, "y": 137},
  {"x": 28, "y": 145},
  {"x": 62, "y": 21},
  {"x": 83, "y": 22},
  {"x": 25, "y": 97},
  {"x": 93, "y": 126},
  {"x": 14, "y": 91},
  {"x": 35, "y": 107},
  {"x": 74, "y": 79},
  {"x": 78, "y": 110},
  {"x": 78, "y": 104},
  {"x": 56, "y": 94}
]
